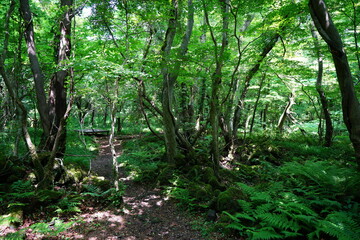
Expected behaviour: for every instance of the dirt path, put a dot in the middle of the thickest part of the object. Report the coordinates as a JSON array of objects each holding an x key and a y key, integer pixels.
[{"x": 147, "y": 215}]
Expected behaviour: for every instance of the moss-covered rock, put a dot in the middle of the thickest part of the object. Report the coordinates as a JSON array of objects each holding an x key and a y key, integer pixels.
[
  {"x": 227, "y": 200},
  {"x": 99, "y": 182},
  {"x": 76, "y": 173}
]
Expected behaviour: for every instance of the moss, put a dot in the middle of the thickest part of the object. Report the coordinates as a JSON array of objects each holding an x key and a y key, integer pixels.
[
  {"x": 227, "y": 200},
  {"x": 201, "y": 191},
  {"x": 99, "y": 182}
]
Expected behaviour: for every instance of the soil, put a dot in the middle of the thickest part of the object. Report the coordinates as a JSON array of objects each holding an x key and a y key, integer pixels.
[{"x": 146, "y": 214}]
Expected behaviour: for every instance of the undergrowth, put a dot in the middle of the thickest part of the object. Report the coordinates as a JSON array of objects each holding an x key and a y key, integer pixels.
[{"x": 312, "y": 200}]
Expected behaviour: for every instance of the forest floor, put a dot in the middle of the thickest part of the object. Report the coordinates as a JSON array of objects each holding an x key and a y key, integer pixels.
[{"x": 146, "y": 214}]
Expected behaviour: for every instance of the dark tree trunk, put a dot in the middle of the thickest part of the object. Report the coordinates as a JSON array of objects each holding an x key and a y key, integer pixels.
[
  {"x": 41, "y": 102},
  {"x": 350, "y": 103},
  {"x": 58, "y": 92},
  {"x": 324, "y": 102}
]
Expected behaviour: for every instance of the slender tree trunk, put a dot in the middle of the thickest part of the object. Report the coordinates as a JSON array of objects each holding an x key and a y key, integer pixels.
[
  {"x": 39, "y": 171},
  {"x": 257, "y": 102},
  {"x": 250, "y": 74},
  {"x": 112, "y": 141},
  {"x": 324, "y": 102},
  {"x": 216, "y": 80},
  {"x": 286, "y": 112},
  {"x": 168, "y": 87},
  {"x": 350, "y": 103}
]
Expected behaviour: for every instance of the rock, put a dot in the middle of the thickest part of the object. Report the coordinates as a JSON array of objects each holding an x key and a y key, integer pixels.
[{"x": 211, "y": 215}]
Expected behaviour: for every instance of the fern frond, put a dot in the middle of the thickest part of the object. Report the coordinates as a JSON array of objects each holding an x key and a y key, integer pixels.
[
  {"x": 340, "y": 225},
  {"x": 265, "y": 233},
  {"x": 236, "y": 226},
  {"x": 245, "y": 205},
  {"x": 296, "y": 208},
  {"x": 264, "y": 208},
  {"x": 248, "y": 190},
  {"x": 288, "y": 234},
  {"x": 279, "y": 221}
]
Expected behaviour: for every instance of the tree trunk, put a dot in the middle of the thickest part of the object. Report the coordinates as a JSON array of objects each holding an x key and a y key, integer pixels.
[
  {"x": 39, "y": 171},
  {"x": 168, "y": 87},
  {"x": 170, "y": 76},
  {"x": 250, "y": 74},
  {"x": 58, "y": 95},
  {"x": 324, "y": 102},
  {"x": 286, "y": 112},
  {"x": 257, "y": 102},
  {"x": 41, "y": 102},
  {"x": 350, "y": 103},
  {"x": 216, "y": 80}
]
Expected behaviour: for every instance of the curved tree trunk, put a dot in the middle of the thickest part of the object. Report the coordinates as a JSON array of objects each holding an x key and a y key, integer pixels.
[
  {"x": 350, "y": 103},
  {"x": 170, "y": 75}
]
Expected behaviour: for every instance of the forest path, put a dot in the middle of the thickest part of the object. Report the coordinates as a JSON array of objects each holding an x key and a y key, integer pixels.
[{"x": 146, "y": 215}]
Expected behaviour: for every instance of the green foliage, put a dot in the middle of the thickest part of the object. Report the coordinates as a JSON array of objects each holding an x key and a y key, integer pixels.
[
  {"x": 314, "y": 199},
  {"x": 44, "y": 230},
  {"x": 79, "y": 149},
  {"x": 67, "y": 204},
  {"x": 142, "y": 158},
  {"x": 110, "y": 196}
]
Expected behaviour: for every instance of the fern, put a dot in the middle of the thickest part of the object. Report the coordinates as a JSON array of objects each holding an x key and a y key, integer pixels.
[
  {"x": 340, "y": 225},
  {"x": 21, "y": 186},
  {"x": 265, "y": 233},
  {"x": 91, "y": 190},
  {"x": 264, "y": 208},
  {"x": 239, "y": 216},
  {"x": 279, "y": 221},
  {"x": 245, "y": 205}
]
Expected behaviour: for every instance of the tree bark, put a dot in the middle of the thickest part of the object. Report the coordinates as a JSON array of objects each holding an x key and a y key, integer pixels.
[
  {"x": 286, "y": 112},
  {"x": 324, "y": 102},
  {"x": 170, "y": 75},
  {"x": 350, "y": 103},
  {"x": 216, "y": 80},
  {"x": 58, "y": 94},
  {"x": 39, "y": 171},
  {"x": 38, "y": 75},
  {"x": 257, "y": 102}
]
